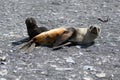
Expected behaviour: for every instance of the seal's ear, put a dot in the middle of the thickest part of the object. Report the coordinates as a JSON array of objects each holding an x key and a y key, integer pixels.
[
  {"x": 64, "y": 37},
  {"x": 98, "y": 30}
]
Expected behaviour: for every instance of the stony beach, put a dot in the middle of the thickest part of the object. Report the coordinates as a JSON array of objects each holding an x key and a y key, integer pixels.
[{"x": 101, "y": 61}]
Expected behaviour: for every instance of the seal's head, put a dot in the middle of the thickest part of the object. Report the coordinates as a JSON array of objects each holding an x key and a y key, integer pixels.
[
  {"x": 30, "y": 22},
  {"x": 94, "y": 30}
]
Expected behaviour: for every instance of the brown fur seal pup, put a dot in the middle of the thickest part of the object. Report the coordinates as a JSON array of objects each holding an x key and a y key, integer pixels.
[
  {"x": 48, "y": 38},
  {"x": 32, "y": 28},
  {"x": 80, "y": 36}
]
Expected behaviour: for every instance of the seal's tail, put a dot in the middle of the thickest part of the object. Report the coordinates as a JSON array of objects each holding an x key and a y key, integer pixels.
[{"x": 28, "y": 47}]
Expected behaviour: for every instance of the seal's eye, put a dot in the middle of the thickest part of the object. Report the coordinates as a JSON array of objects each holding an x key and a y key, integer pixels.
[{"x": 98, "y": 29}]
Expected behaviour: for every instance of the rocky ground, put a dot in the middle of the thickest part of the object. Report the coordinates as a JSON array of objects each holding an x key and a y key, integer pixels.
[{"x": 100, "y": 61}]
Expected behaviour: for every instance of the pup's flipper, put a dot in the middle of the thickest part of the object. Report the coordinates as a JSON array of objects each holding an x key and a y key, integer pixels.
[
  {"x": 64, "y": 37},
  {"x": 28, "y": 47}
]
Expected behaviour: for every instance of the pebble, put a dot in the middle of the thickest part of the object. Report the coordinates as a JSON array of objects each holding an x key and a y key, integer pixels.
[
  {"x": 87, "y": 78},
  {"x": 73, "y": 75},
  {"x": 64, "y": 69},
  {"x": 80, "y": 53},
  {"x": 3, "y": 72},
  {"x": 3, "y": 79},
  {"x": 0, "y": 51},
  {"x": 77, "y": 47},
  {"x": 44, "y": 73},
  {"x": 19, "y": 78},
  {"x": 70, "y": 60},
  {"x": 100, "y": 75},
  {"x": 104, "y": 19},
  {"x": 88, "y": 50},
  {"x": 87, "y": 67},
  {"x": 4, "y": 63},
  {"x": 113, "y": 44},
  {"x": 3, "y": 58},
  {"x": 117, "y": 50},
  {"x": 56, "y": 3},
  {"x": 53, "y": 65},
  {"x": 11, "y": 51}
]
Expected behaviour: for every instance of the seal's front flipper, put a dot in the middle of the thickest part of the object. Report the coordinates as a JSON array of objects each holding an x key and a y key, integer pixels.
[
  {"x": 62, "y": 45},
  {"x": 64, "y": 37}
]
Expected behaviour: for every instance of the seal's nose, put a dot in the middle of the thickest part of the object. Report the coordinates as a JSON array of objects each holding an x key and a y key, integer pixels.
[{"x": 94, "y": 30}]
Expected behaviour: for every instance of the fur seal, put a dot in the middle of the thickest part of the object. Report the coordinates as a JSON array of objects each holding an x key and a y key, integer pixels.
[
  {"x": 32, "y": 28},
  {"x": 48, "y": 38},
  {"x": 80, "y": 36}
]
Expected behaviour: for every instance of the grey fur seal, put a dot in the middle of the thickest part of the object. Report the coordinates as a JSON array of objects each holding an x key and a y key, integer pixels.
[{"x": 79, "y": 36}]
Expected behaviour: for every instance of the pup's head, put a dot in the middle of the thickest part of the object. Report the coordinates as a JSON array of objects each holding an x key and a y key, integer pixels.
[
  {"x": 94, "y": 30},
  {"x": 30, "y": 22}
]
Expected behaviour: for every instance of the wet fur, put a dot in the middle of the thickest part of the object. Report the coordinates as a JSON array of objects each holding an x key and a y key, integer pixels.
[{"x": 47, "y": 38}]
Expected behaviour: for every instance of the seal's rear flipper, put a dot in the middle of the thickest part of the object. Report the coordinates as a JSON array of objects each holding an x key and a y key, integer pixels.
[
  {"x": 28, "y": 47},
  {"x": 64, "y": 37}
]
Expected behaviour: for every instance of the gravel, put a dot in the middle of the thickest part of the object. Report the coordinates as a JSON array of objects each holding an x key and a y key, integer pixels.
[{"x": 100, "y": 61}]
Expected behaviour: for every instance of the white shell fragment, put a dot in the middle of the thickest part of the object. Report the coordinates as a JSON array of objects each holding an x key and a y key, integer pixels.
[
  {"x": 69, "y": 60},
  {"x": 3, "y": 72},
  {"x": 64, "y": 69},
  {"x": 100, "y": 75}
]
